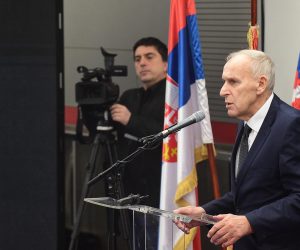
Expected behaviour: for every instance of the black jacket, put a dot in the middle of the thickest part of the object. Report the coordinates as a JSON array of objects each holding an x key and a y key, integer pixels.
[{"x": 147, "y": 117}]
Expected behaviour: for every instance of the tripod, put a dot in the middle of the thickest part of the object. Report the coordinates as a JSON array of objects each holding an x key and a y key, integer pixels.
[{"x": 114, "y": 189}]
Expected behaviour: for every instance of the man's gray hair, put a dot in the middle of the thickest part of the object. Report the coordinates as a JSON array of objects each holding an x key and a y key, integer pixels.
[{"x": 261, "y": 64}]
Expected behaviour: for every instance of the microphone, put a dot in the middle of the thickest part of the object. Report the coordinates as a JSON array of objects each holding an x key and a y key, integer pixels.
[
  {"x": 196, "y": 117},
  {"x": 153, "y": 139}
]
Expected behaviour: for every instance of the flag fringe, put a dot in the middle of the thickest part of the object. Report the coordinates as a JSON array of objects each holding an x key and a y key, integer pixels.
[
  {"x": 201, "y": 153},
  {"x": 186, "y": 239},
  {"x": 252, "y": 36},
  {"x": 186, "y": 186},
  {"x": 191, "y": 181}
]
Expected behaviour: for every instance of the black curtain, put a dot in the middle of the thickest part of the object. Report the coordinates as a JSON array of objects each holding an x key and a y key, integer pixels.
[{"x": 31, "y": 125}]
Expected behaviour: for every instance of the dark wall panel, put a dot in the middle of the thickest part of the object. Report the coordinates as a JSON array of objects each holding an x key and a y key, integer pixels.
[{"x": 31, "y": 125}]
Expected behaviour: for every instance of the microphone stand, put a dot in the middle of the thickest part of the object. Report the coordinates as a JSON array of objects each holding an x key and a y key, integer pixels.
[{"x": 149, "y": 142}]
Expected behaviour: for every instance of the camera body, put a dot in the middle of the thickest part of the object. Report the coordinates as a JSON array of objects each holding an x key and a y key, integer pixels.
[{"x": 95, "y": 94}]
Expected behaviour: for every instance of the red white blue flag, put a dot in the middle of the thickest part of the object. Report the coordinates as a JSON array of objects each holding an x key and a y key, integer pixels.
[
  {"x": 296, "y": 92},
  {"x": 185, "y": 94}
]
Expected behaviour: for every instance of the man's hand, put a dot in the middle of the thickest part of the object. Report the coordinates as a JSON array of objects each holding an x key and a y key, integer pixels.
[
  {"x": 229, "y": 229},
  {"x": 189, "y": 211},
  {"x": 120, "y": 113}
]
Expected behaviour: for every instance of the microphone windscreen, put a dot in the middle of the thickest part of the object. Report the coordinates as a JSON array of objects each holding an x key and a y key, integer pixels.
[{"x": 199, "y": 115}]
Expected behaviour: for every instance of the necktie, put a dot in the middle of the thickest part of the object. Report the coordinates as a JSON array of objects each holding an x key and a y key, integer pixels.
[{"x": 243, "y": 148}]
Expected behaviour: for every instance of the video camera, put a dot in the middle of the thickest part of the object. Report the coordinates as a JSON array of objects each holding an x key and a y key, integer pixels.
[{"x": 95, "y": 94}]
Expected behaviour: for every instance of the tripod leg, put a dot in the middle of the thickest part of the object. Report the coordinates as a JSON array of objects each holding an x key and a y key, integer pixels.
[
  {"x": 116, "y": 191},
  {"x": 85, "y": 189},
  {"x": 110, "y": 189}
]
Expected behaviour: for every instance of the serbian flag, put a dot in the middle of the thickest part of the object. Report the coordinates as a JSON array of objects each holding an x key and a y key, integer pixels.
[
  {"x": 296, "y": 92},
  {"x": 185, "y": 94}
]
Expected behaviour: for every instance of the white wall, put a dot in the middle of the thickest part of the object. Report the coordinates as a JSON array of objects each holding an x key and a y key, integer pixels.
[
  {"x": 117, "y": 24},
  {"x": 282, "y": 42},
  {"x": 114, "y": 25}
]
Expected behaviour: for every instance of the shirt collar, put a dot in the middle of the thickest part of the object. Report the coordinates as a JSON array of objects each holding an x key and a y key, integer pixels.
[
  {"x": 257, "y": 119},
  {"x": 154, "y": 86}
]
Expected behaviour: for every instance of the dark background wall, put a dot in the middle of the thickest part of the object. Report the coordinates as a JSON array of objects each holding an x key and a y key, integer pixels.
[{"x": 31, "y": 125}]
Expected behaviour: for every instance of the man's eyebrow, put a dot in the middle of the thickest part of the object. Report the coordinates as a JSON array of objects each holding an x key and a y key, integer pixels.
[
  {"x": 150, "y": 54},
  {"x": 147, "y": 54},
  {"x": 232, "y": 79}
]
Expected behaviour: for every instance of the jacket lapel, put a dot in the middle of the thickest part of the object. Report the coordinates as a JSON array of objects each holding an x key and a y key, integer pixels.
[
  {"x": 262, "y": 135},
  {"x": 234, "y": 154}
]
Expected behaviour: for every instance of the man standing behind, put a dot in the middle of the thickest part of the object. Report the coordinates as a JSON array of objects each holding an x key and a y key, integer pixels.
[
  {"x": 262, "y": 210},
  {"x": 140, "y": 112}
]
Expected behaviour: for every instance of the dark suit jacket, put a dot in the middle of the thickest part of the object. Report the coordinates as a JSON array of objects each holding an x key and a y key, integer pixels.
[{"x": 267, "y": 188}]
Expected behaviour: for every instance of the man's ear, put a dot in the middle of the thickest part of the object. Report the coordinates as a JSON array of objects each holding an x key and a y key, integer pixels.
[
  {"x": 263, "y": 83},
  {"x": 165, "y": 67}
]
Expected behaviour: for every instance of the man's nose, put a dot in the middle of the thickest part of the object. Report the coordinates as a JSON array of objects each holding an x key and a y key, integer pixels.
[
  {"x": 223, "y": 90},
  {"x": 143, "y": 61}
]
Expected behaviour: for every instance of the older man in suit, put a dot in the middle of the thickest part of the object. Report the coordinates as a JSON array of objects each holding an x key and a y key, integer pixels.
[{"x": 262, "y": 210}]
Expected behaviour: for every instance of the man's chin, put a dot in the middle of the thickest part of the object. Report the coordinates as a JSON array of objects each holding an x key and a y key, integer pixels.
[
  {"x": 145, "y": 79},
  {"x": 231, "y": 113}
]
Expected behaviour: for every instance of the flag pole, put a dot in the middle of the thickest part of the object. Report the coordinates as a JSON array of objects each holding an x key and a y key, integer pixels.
[
  {"x": 253, "y": 33},
  {"x": 214, "y": 175},
  {"x": 253, "y": 12},
  {"x": 213, "y": 170}
]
